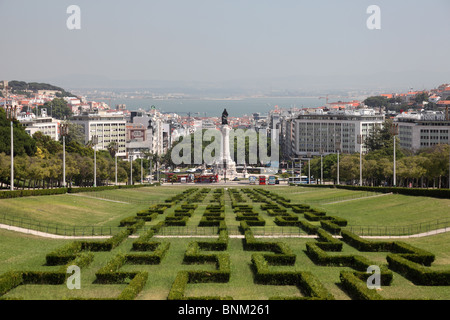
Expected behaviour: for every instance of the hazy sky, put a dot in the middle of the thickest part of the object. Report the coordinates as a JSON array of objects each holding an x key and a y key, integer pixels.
[{"x": 225, "y": 40}]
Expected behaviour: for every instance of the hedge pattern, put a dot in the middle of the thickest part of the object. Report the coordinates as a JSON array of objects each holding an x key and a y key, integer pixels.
[{"x": 247, "y": 204}]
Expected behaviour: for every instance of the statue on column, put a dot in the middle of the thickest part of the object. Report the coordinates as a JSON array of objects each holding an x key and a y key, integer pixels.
[{"x": 224, "y": 117}]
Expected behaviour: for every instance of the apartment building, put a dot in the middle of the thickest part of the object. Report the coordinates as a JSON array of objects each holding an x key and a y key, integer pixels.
[
  {"x": 417, "y": 130},
  {"x": 317, "y": 132},
  {"x": 108, "y": 127}
]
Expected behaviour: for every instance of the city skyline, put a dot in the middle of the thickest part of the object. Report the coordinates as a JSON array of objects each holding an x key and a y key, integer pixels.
[{"x": 251, "y": 46}]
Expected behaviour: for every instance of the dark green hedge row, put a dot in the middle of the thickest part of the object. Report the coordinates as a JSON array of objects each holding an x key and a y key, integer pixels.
[
  {"x": 9, "y": 281},
  {"x": 300, "y": 208},
  {"x": 364, "y": 245},
  {"x": 44, "y": 277},
  {"x": 434, "y": 193},
  {"x": 47, "y": 192},
  {"x": 282, "y": 253},
  {"x": 195, "y": 255},
  {"x": 417, "y": 273},
  {"x": 109, "y": 273},
  {"x": 307, "y": 283},
  {"x": 63, "y": 255},
  {"x": 143, "y": 243},
  {"x": 236, "y": 196},
  {"x": 327, "y": 242},
  {"x": 112, "y": 242},
  {"x": 307, "y": 227},
  {"x": 148, "y": 216},
  {"x": 134, "y": 287},
  {"x": 156, "y": 257},
  {"x": 179, "y": 221},
  {"x": 286, "y": 221},
  {"x": 221, "y": 244},
  {"x": 407, "y": 251},
  {"x": 181, "y": 196},
  {"x": 359, "y": 263},
  {"x": 31, "y": 193},
  {"x": 357, "y": 288},
  {"x": 330, "y": 226}
]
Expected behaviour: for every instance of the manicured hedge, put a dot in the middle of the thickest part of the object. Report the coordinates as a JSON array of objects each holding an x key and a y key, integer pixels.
[
  {"x": 9, "y": 281},
  {"x": 305, "y": 281},
  {"x": 327, "y": 242},
  {"x": 109, "y": 273},
  {"x": 357, "y": 288},
  {"x": 364, "y": 245},
  {"x": 134, "y": 287},
  {"x": 359, "y": 263},
  {"x": 330, "y": 226},
  {"x": 44, "y": 277},
  {"x": 434, "y": 193},
  {"x": 154, "y": 258},
  {"x": 308, "y": 227},
  {"x": 31, "y": 193},
  {"x": 417, "y": 273},
  {"x": 64, "y": 254},
  {"x": 407, "y": 251}
]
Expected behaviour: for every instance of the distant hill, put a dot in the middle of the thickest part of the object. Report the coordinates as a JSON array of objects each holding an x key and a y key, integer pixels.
[{"x": 21, "y": 87}]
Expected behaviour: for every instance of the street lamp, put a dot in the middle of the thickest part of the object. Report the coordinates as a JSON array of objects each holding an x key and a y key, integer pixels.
[
  {"x": 338, "y": 150},
  {"x": 321, "y": 165},
  {"x": 308, "y": 155},
  {"x": 64, "y": 128},
  {"x": 11, "y": 116},
  {"x": 131, "y": 170},
  {"x": 94, "y": 142},
  {"x": 115, "y": 149},
  {"x": 360, "y": 141},
  {"x": 151, "y": 170},
  {"x": 394, "y": 132},
  {"x": 142, "y": 171}
]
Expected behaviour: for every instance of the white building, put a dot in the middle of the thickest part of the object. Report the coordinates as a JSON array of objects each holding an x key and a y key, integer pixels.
[
  {"x": 317, "y": 132},
  {"x": 108, "y": 127},
  {"x": 47, "y": 125},
  {"x": 418, "y": 130},
  {"x": 158, "y": 131}
]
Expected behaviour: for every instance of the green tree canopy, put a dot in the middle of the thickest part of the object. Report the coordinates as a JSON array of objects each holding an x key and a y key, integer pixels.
[{"x": 23, "y": 143}]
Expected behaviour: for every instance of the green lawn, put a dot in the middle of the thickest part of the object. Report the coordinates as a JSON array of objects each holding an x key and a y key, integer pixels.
[
  {"x": 25, "y": 252},
  {"x": 398, "y": 210}
]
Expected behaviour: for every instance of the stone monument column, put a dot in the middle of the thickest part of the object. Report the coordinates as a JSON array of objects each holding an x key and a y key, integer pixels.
[{"x": 225, "y": 163}]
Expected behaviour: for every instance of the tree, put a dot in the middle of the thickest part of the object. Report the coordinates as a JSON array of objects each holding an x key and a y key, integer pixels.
[
  {"x": 46, "y": 144},
  {"x": 376, "y": 102},
  {"x": 23, "y": 143},
  {"x": 75, "y": 134},
  {"x": 57, "y": 108}
]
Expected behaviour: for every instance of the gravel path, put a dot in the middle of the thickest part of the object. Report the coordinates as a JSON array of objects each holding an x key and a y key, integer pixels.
[{"x": 54, "y": 236}]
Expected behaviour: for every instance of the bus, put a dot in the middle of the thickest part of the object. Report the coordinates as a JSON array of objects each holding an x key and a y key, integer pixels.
[
  {"x": 272, "y": 180},
  {"x": 262, "y": 179},
  {"x": 299, "y": 180},
  {"x": 252, "y": 180}
]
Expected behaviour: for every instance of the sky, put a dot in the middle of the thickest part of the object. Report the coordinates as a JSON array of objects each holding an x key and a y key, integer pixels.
[{"x": 283, "y": 43}]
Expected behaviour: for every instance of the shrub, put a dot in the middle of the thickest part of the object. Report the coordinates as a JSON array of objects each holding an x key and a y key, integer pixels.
[
  {"x": 417, "y": 273},
  {"x": 134, "y": 287},
  {"x": 330, "y": 226},
  {"x": 363, "y": 244},
  {"x": 64, "y": 254},
  {"x": 9, "y": 281},
  {"x": 43, "y": 277},
  {"x": 356, "y": 288},
  {"x": 156, "y": 257}
]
